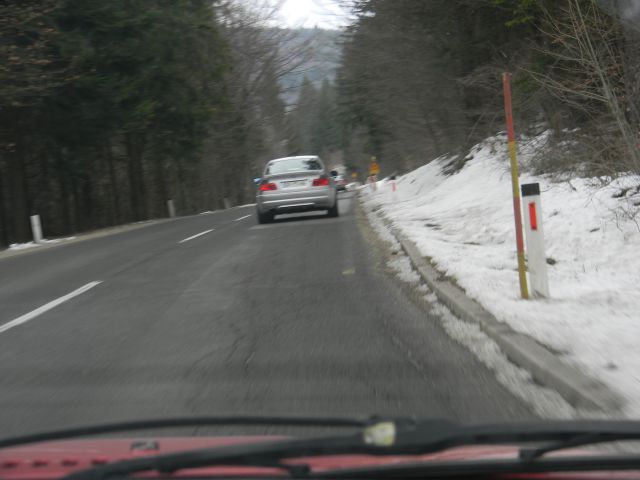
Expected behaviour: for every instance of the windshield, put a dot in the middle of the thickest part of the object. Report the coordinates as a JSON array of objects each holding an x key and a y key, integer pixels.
[
  {"x": 422, "y": 209},
  {"x": 293, "y": 165}
]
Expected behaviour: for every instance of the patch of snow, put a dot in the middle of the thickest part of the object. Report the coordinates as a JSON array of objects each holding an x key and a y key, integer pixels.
[
  {"x": 431, "y": 297},
  {"x": 382, "y": 231},
  {"x": 403, "y": 268},
  {"x": 27, "y": 245},
  {"x": 546, "y": 403},
  {"x": 464, "y": 223},
  {"x": 23, "y": 246}
]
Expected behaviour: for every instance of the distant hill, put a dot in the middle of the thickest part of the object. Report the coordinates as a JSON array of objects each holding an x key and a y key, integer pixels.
[{"x": 323, "y": 59}]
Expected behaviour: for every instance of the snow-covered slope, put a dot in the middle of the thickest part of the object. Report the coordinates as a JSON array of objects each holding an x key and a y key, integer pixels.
[{"x": 464, "y": 223}]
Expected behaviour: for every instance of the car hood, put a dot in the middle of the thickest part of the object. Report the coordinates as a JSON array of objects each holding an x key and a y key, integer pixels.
[{"x": 52, "y": 460}]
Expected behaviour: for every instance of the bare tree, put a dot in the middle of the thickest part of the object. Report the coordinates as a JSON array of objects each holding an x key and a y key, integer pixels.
[
  {"x": 587, "y": 73},
  {"x": 257, "y": 130}
]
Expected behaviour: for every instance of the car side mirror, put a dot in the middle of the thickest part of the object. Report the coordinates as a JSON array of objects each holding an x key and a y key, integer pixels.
[
  {"x": 257, "y": 180},
  {"x": 333, "y": 173}
]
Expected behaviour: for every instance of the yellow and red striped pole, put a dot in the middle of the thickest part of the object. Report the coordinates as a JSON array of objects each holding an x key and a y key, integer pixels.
[{"x": 515, "y": 183}]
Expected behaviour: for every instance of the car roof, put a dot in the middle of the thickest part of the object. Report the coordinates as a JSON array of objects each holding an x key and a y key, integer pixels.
[{"x": 290, "y": 158}]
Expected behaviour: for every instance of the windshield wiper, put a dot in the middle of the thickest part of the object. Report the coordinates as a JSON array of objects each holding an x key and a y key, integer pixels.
[
  {"x": 529, "y": 454},
  {"x": 229, "y": 420},
  {"x": 482, "y": 468},
  {"x": 393, "y": 437}
]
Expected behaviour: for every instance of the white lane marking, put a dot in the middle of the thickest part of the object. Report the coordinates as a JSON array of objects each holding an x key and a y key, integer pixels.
[
  {"x": 45, "y": 308},
  {"x": 196, "y": 236},
  {"x": 242, "y": 218}
]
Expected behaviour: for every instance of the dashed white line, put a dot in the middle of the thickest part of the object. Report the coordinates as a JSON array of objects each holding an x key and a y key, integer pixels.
[
  {"x": 196, "y": 236},
  {"x": 45, "y": 308},
  {"x": 242, "y": 218}
]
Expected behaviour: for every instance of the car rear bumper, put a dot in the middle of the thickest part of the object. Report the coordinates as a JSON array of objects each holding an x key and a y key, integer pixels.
[{"x": 296, "y": 202}]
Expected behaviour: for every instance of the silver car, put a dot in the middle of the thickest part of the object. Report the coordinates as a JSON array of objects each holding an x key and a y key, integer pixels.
[{"x": 296, "y": 184}]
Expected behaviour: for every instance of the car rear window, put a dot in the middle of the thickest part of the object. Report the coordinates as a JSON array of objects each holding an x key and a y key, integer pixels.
[{"x": 293, "y": 165}]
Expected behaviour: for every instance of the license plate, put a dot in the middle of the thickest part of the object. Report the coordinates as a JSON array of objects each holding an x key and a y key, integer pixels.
[{"x": 295, "y": 183}]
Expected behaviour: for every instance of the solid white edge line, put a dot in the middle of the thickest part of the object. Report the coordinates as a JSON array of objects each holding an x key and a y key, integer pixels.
[
  {"x": 242, "y": 218},
  {"x": 45, "y": 308},
  {"x": 196, "y": 236}
]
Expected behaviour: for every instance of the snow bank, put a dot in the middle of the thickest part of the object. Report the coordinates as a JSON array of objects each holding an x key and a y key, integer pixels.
[
  {"x": 464, "y": 223},
  {"x": 25, "y": 246}
]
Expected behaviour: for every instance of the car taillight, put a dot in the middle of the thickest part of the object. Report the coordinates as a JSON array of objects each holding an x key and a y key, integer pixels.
[
  {"x": 266, "y": 187},
  {"x": 321, "y": 182}
]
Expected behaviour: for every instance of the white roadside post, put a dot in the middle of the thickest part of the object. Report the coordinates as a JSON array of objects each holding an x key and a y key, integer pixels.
[
  {"x": 171, "y": 207},
  {"x": 394, "y": 188},
  {"x": 534, "y": 234},
  {"x": 373, "y": 183},
  {"x": 36, "y": 228}
]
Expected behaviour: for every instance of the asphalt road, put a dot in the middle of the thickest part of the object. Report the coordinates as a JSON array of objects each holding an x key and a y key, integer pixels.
[{"x": 296, "y": 317}]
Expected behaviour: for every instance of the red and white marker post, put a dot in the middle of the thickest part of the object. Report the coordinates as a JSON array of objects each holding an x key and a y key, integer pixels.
[
  {"x": 515, "y": 185},
  {"x": 536, "y": 257}
]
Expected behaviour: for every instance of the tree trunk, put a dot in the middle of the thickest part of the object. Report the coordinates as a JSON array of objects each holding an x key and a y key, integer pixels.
[
  {"x": 19, "y": 198},
  {"x": 78, "y": 214},
  {"x": 161, "y": 184},
  {"x": 88, "y": 206},
  {"x": 113, "y": 184},
  {"x": 4, "y": 227},
  {"x": 181, "y": 178},
  {"x": 63, "y": 204},
  {"x": 137, "y": 193}
]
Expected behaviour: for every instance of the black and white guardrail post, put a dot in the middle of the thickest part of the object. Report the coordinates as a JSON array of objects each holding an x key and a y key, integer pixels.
[{"x": 534, "y": 234}]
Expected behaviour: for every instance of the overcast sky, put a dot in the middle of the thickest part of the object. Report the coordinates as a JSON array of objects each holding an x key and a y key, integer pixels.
[{"x": 311, "y": 13}]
